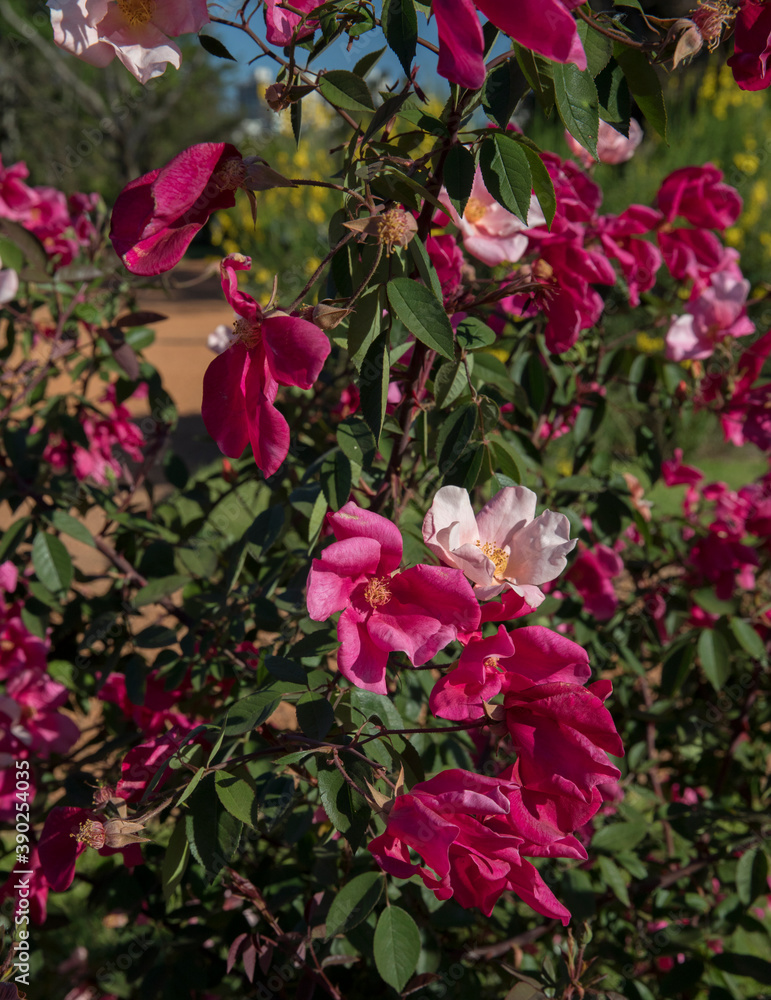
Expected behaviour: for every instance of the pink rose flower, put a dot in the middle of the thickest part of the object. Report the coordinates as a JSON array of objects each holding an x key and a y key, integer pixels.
[
  {"x": 639, "y": 260},
  {"x": 674, "y": 473},
  {"x": 417, "y": 611},
  {"x": 460, "y": 825},
  {"x": 612, "y": 146},
  {"x": 157, "y": 215},
  {"x": 713, "y": 314},
  {"x": 591, "y": 574},
  {"x": 698, "y": 195},
  {"x": 9, "y": 284},
  {"x": 504, "y": 546},
  {"x": 136, "y": 31},
  {"x": 241, "y": 384},
  {"x": 67, "y": 832},
  {"x": 490, "y": 233},
  {"x": 29, "y": 714},
  {"x": 282, "y": 24}
]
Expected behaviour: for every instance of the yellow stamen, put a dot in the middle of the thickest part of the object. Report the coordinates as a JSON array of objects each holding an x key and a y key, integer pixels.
[
  {"x": 497, "y": 556},
  {"x": 475, "y": 210},
  {"x": 92, "y": 833},
  {"x": 247, "y": 332},
  {"x": 137, "y": 12},
  {"x": 377, "y": 592}
]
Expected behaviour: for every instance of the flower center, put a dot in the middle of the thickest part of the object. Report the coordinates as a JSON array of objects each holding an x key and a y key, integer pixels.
[
  {"x": 491, "y": 663},
  {"x": 250, "y": 334},
  {"x": 396, "y": 228},
  {"x": 542, "y": 271},
  {"x": 710, "y": 17},
  {"x": 92, "y": 833},
  {"x": 497, "y": 556},
  {"x": 232, "y": 173},
  {"x": 377, "y": 591},
  {"x": 137, "y": 12},
  {"x": 475, "y": 210}
]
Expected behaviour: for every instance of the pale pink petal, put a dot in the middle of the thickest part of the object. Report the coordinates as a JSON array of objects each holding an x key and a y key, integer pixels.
[
  {"x": 9, "y": 285},
  {"x": 180, "y": 17},
  {"x": 508, "y": 511},
  {"x": 477, "y": 567},
  {"x": 451, "y": 508},
  {"x": 74, "y": 24},
  {"x": 539, "y": 550}
]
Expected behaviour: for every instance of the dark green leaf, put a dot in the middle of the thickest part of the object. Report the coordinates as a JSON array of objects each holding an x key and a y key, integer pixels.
[
  {"x": 542, "y": 183},
  {"x": 578, "y": 104},
  {"x": 619, "y": 837},
  {"x": 12, "y": 537},
  {"x": 400, "y": 26},
  {"x": 744, "y": 965},
  {"x": 71, "y": 526},
  {"x": 296, "y": 120},
  {"x": 365, "y": 64},
  {"x": 215, "y": 47},
  {"x": 506, "y": 173},
  {"x": 450, "y": 382},
  {"x": 748, "y": 638},
  {"x": 504, "y": 89},
  {"x": 645, "y": 86},
  {"x": 383, "y": 115},
  {"x": 52, "y": 562},
  {"x": 751, "y": 875},
  {"x": 315, "y": 716},
  {"x": 238, "y": 794},
  {"x": 155, "y": 590},
  {"x": 155, "y": 637},
  {"x": 336, "y": 480},
  {"x": 472, "y": 333},
  {"x": 598, "y": 48},
  {"x": 175, "y": 860},
  {"x": 459, "y": 169},
  {"x": 345, "y": 90},
  {"x": 250, "y": 712},
  {"x": 396, "y": 947},
  {"x": 347, "y": 810},
  {"x": 354, "y": 903},
  {"x": 423, "y": 315},
  {"x": 715, "y": 657},
  {"x": 356, "y": 441},
  {"x": 538, "y": 73},
  {"x": 426, "y": 269},
  {"x": 373, "y": 384}
]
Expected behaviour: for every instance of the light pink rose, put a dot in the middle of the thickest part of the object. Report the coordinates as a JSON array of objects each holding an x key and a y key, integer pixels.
[
  {"x": 489, "y": 232},
  {"x": 612, "y": 146},
  {"x": 713, "y": 314},
  {"x": 136, "y": 31},
  {"x": 505, "y": 546}
]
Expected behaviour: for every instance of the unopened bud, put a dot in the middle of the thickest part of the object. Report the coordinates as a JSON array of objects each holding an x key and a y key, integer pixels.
[
  {"x": 261, "y": 177},
  {"x": 277, "y": 97},
  {"x": 103, "y": 794},
  {"x": 688, "y": 40}
]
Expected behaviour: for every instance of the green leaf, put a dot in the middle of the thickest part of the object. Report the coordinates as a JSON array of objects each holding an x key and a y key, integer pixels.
[
  {"x": 598, "y": 48},
  {"x": 744, "y": 965},
  {"x": 52, "y": 562},
  {"x": 336, "y": 480},
  {"x": 315, "y": 715},
  {"x": 365, "y": 64},
  {"x": 715, "y": 657},
  {"x": 614, "y": 879},
  {"x": 155, "y": 637},
  {"x": 538, "y": 73},
  {"x": 238, "y": 794},
  {"x": 356, "y": 441},
  {"x": 506, "y": 173},
  {"x": 542, "y": 182},
  {"x": 505, "y": 460},
  {"x": 175, "y": 860},
  {"x": 296, "y": 120},
  {"x": 459, "y": 169},
  {"x": 347, "y": 810},
  {"x": 250, "y": 712},
  {"x": 708, "y": 600},
  {"x": 346, "y": 90},
  {"x": 454, "y": 434},
  {"x": 751, "y": 875},
  {"x": 215, "y": 47},
  {"x": 153, "y": 591},
  {"x": 390, "y": 107},
  {"x": 450, "y": 382},
  {"x": 373, "y": 384},
  {"x": 619, "y": 837},
  {"x": 372, "y": 706},
  {"x": 423, "y": 315},
  {"x": 613, "y": 93},
  {"x": 400, "y": 27},
  {"x": 396, "y": 947},
  {"x": 12, "y": 537},
  {"x": 748, "y": 638},
  {"x": 645, "y": 86},
  {"x": 578, "y": 104},
  {"x": 504, "y": 89},
  {"x": 472, "y": 333},
  {"x": 675, "y": 668},
  {"x": 426, "y": 269},
  {"x": 354, "y": 903},
  {"x": 71, "y": 526}
]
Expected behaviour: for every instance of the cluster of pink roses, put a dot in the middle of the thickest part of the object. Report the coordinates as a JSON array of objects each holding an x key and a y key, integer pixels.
[
  {"x": 61, "y": 223},
  {"x": 105, "y": 433},
  {"x": 473, "y": 832}
]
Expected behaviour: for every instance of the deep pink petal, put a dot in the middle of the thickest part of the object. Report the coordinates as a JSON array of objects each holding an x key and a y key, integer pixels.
[
  {"x": 352, "y": 521},
  {"x": 461, "y": 43},
  {"x": 58, "y": 849},
  {"x": 296, "y": 350},
  {"x": 341, "y": 568},
  {"x": 241, "y": 302},
  {"x": 360, "y": 659},
  {"x": 545, "y": 26},
  {"x": 224, "y": 406},
  {"x": 542, "y": 655},
  {"x": 268, "y": 429}
]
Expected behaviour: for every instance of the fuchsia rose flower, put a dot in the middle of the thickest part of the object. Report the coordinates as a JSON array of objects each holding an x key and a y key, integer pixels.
[
  {"x": 282, "y": 24},
  {"x": 713, "y": 314},
  {"x": 546, "y": 26},
  {"x": 639, "y": 260},
  {"x": 157, "y": 215},
  {"x": 462, "y": 826},
  {"x": 241, "y": 384},
  {"x": 697, "y": 194},
  {"x": 30, "y": 717},
  {"x": 612, "y": 146},
  {"x": 591, "y": 574},
  {"x": 16, "y": 197},
  {"x": 504, "y": 546},
  {"x": 447, "y": 258},
  {"x": 752, "y": 45},
  {"x": 136, "y": 31},
  {"x": 489, "y": 232},
  {"x": 417, "y": 611},
  {"x": 67, "y": 832}
]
